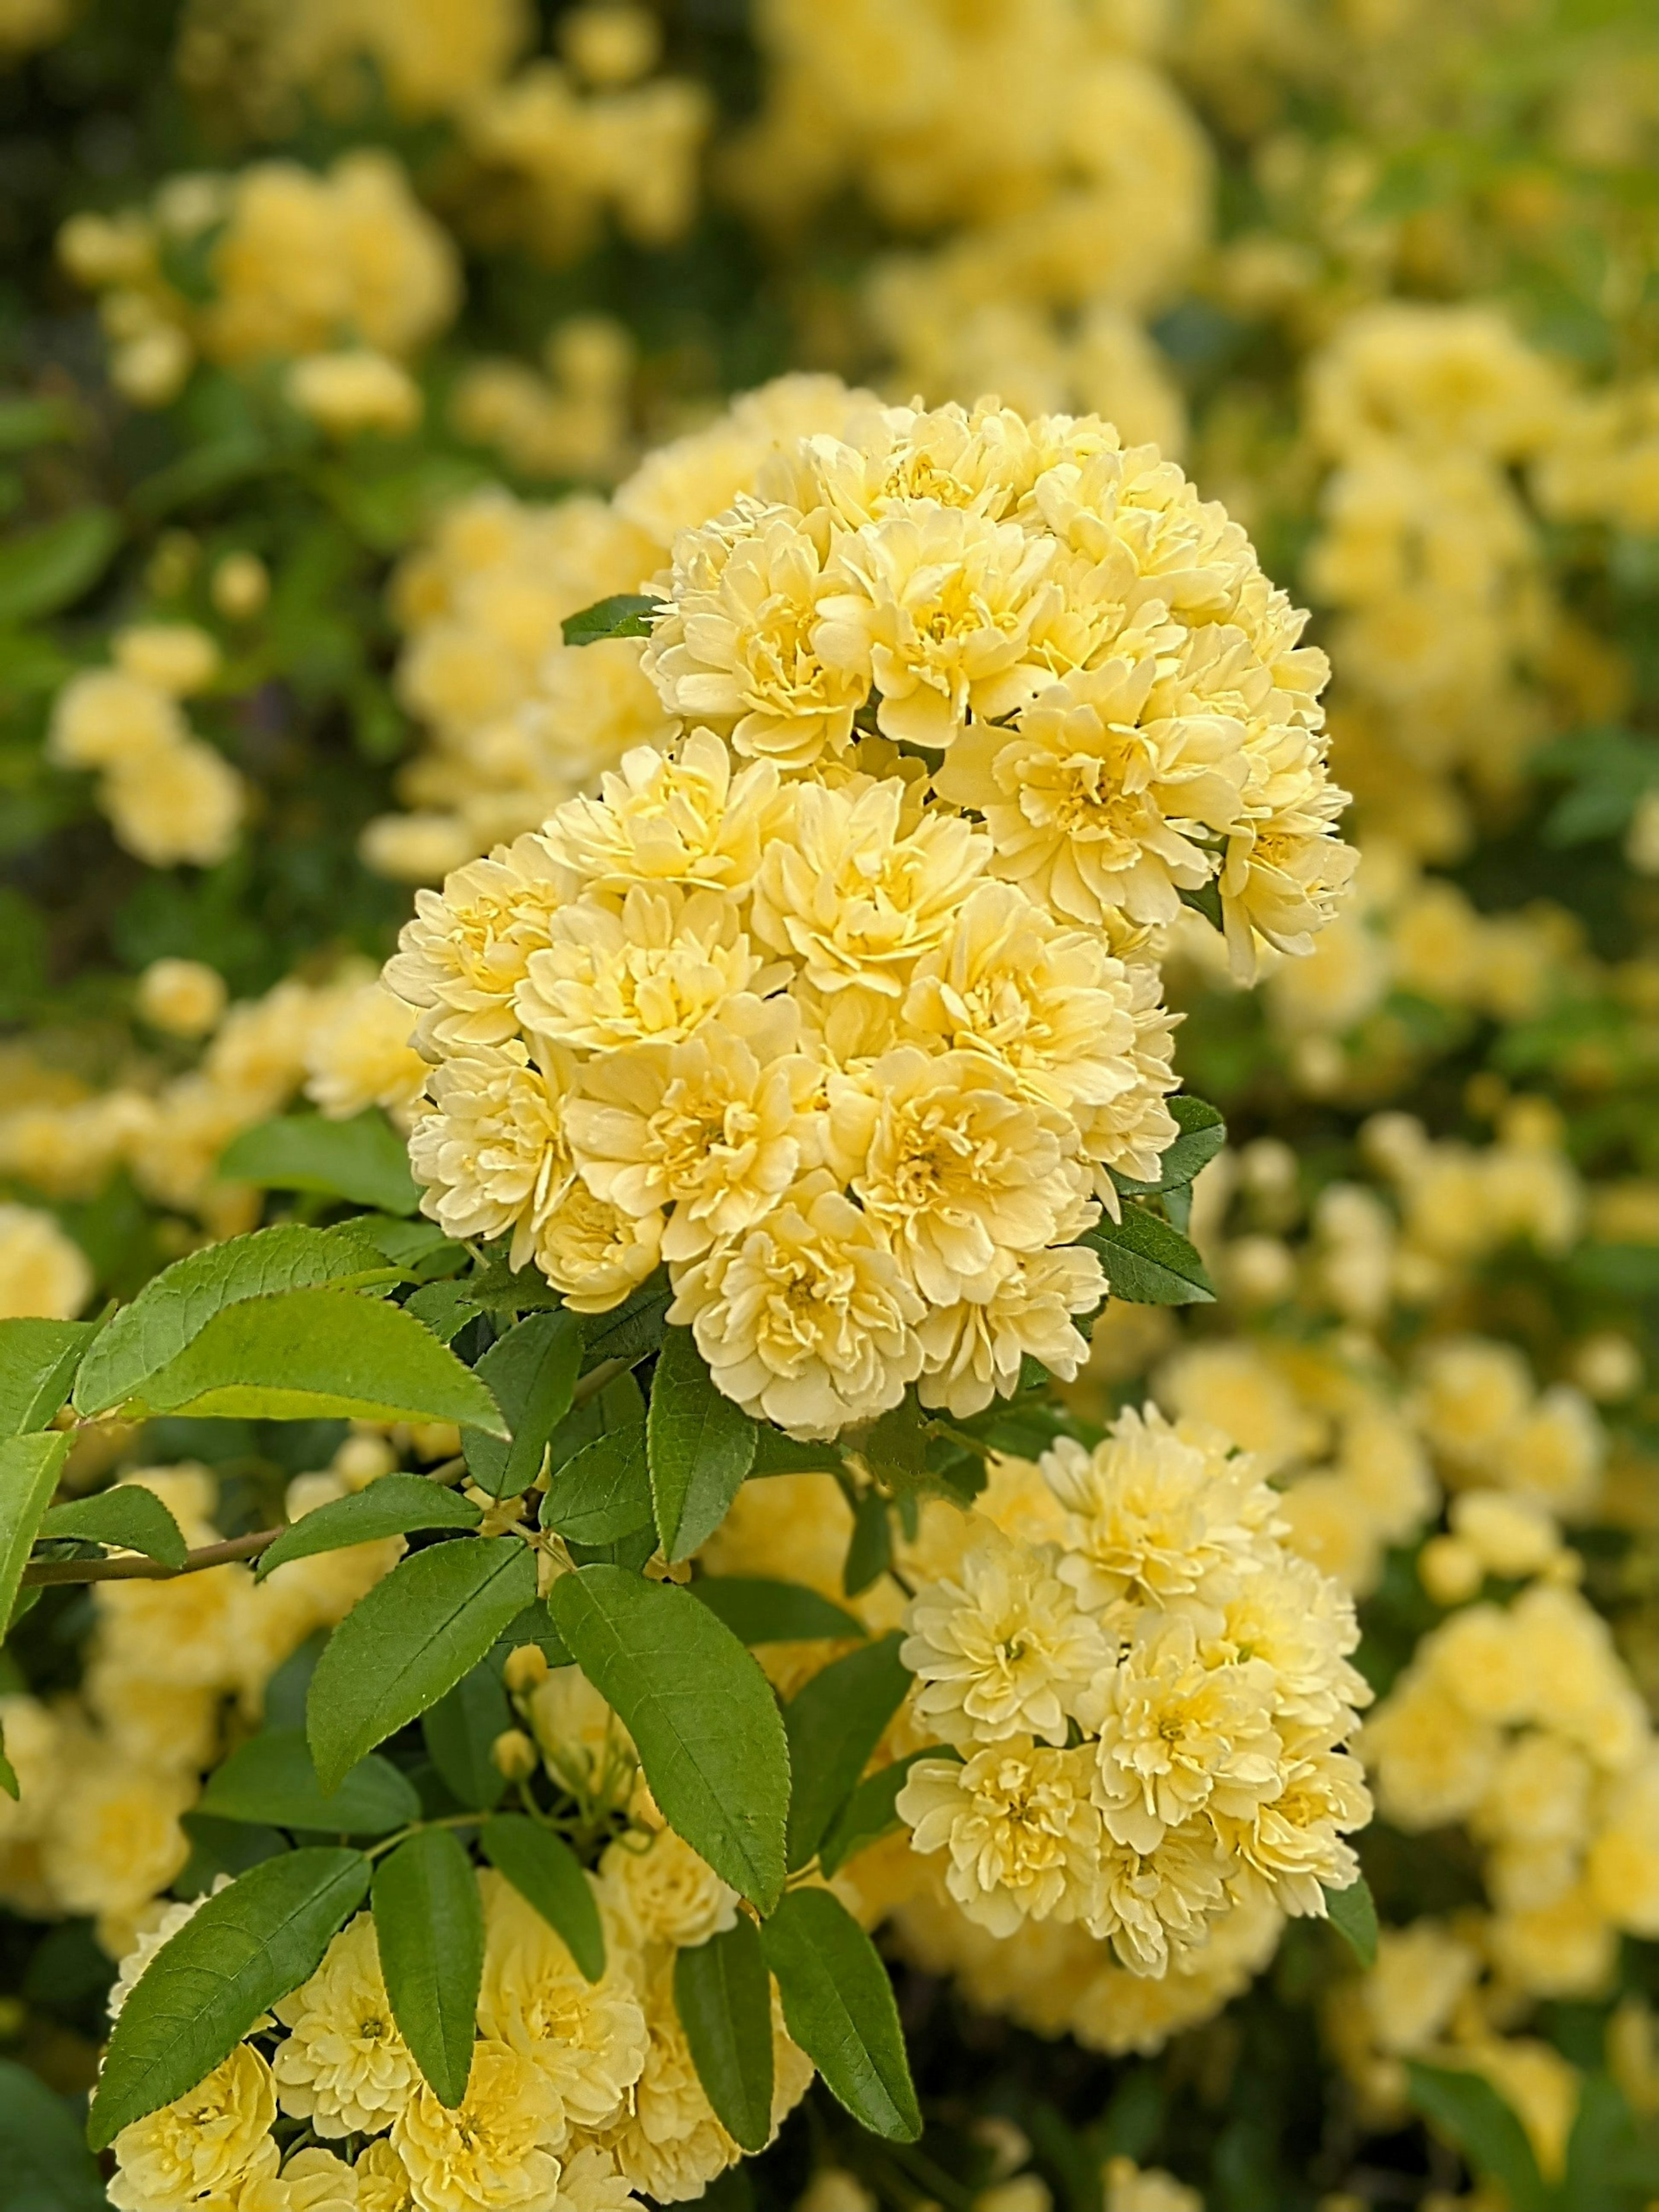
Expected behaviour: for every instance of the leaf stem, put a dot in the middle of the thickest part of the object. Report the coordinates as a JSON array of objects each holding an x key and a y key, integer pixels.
[
  {"x": 137, "y": 1569},
  {"x": 415, "y": 1827}
]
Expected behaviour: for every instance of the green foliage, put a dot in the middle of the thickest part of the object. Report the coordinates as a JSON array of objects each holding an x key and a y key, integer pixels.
[
  {"x": 429, "y": 1925},
  {"x": 29, "y": 1468},
  {"x": 1203, "y": 1133},
  {"x": 702, "y": 1446},
  {"x": 1353, "y": 1915},
  {"x": 364, "y": 1160},
  {"x": 834, "y": 1722},
  {"x": 532, "y": 1373},
  {"x": 601, "y": 1491},
  {"x": 1148, "y": 1262},
  {"x": 46, "y": 2165},
  {"x": 625, "y": 614},
  {"x": 270, "y": 1781},
  {"x": 547, "y": 1874},
  {"x": 838, "y": 2005},
  {"x": 459, "y": 1731},
  {"x": 391, "y": 1505},
  {"x": 37, "y": 1364},
  {"x": 723, "y": 1994},
  {"x": 129, "y": 1518},
  {"x": 701, "y": 1713},
  {"x": 760, "y": 1611},
  {"x": 869, "y": 1812}
]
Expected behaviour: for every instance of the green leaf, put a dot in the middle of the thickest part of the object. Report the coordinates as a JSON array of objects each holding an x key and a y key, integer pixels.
[
  {"x": 777, "y": 1453},
  {"x": 894, "y": 1447},
  {"x": 1149, "y": 1263},
  {"x": 239, "y": 1953},
  {"x": 723, "y": 1994},
  {"x": 624, "y": 614},
  {"x": 1205, "y": 900},
  {"x": 47, "y": 2167},
  {"x": 429, "y": 1926},
  {"x": 38, "y": 1362},
  {"x": 410, "y": 1639},
  {"x": 602, "y": 1492},
  {"x": 29, "y": 1468},
  {"x": 444, "y": 1308},
  {"x": 128, "y": 1518},
  {"x": 458, "y": 1732},
  {"x": 320, "y": 1355},
  {"x": 532, "y": 1372},
  {"x": 1203, "y": 1133},
  {"x": 870, "y": 1813},
  {"x": 870, "y": 1547},
  {"x": 391, "y": 1505},
  {"x": 27, "y": 421},
  {"x": 759, "y": 1611},
  {"x": 1465, "y": 2107},
  {"x": 140, "y": 1339},
  {"x": 634, "y": 1328},
  {"x": 700, "y": 1713},
  {"x": 838, "y": 2005},
  {"x": 45, "y": 569},
  {"x": 1353, "y": 1913},
  {"x": 270, "y": 1781},
  {"x": 535, "y": 1626},
  {"x": 548, "y": 1874},
  {"x": 8, "y": 1781},
  {"x": 702, "y": 1446},
  {"x": 363, "y": 1159},
  {"x": 834, "y": 1724}
]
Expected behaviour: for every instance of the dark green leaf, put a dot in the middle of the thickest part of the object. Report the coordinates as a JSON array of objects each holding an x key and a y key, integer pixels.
[
  {"x": 834, "y": 1722},
  {"x": 459, "y": 1731},
  {"x": 624, "y": 614},
  {"x": 139, "y": 1340},
  {"x": 429, "y": 1926},
  {"x": 1203, "y": 1133},
  {"x": 602, "y": 1493},
  {"x": 409, "y": 1640},
  {"x": 758, "y": 1611},
  {"x": 723, "y": 1994},
  {"x": 1149, "y": 1263},
  {"x": 270, "y": 1780},
  {"x": 444, "y": 1308},
  {"x": 8, "y": 1781},
  {"x": 363, "y": 1159},
  {"x": 535, "y": 1626},
  {"x": 38, "y": 1362},
  {"x": 1466, "y": 2108},
  {"x": 320, "y": 1355},
  {"x": 869, "y": 1813},
  {"x": 838, "y": 2005},
  {"x": 1205, "y": 900},
  {"x": 894, "y": 1447},
  {"x": 242, "y": 1950},
  {"x": 530, "y": 1371},
  {"x": 42, "y": 570},
  {"x": 1353, "y": 1915},
  {"x": 391, "y": 1505},
  {"x": 634, "y": 1328},
  {"x": 29, "y": 1468},
  {"x": 548, "y": 1874},
  {"x": 702, "y": 1446},
  {"x": 128, "y": 1518},
  {"x": 47, "y": 2167},
  {"x": 701, "y": 1712},
  {"x": 870, "y": 1547},
  {"x": 777, "y": 1453}
]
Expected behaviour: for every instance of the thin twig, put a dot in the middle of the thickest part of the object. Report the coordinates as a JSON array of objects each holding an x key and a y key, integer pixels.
[{"x": 139, "y": 1569}]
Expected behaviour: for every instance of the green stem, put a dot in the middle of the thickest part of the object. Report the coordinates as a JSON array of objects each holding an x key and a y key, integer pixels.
[{"x": 415, "y": 1827}]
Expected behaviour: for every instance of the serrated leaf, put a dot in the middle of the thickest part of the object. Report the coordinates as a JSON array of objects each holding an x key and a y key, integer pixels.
[
  {"x": 38, "y": 1363},
  {"x": 1203, "y": 1133},
  {"x": 269, "y": 1781},
  {"x": 723, "y": 1994},
  {"x": 532, "y": 1372},
  {"x": 42, "y": 570},
  {"x": 48, "y": 2169},
  {"x": 128, "y": 1518},
  {"x": 458, "y": 1732},
  {"x": 1464, "y": 2106},
  {"x": 760, "y": 1611},
  {"x": 624, "y": 614},
  {"x": 319, "y": 1355},
  {"x": 834, "y": 1722},
  {"x": 206, "y": 1987},
  {"x": 1148, "y": 1262},
  {"x": 1353, "y": 1913},
  {"x": 603, "y": 1492},
  {"x": 838, "y": 2005},
  {"x": 870, "y": 1813},
  {"x": 634, "y": 1328},
  {"x": 547, "y": 1874},
  {"x": 700, "y": 1713},
  {"x": 429, "y": 1926},
  {"x": 364, "y": 1159},
  {"x": 408, "y": 1640},
  {"x": 444, "y": 1308},
  {"x": 391, "y": 1505},
  {"x": 894, "y": 1447},
  {"x": 701, "y": 1447},
  {"x": 140, "y": 1339},
  {"x": 29, "y": 1468}
]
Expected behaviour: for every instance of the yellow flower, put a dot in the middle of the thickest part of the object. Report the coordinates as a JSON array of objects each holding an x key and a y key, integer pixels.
[
  {"x": 345, "y": 2067},
  {"x": 1021, "y": 1830},
  {"x": 350, "y": 393},
  {"x": 464, "y": 955},
  {"x": 647, "y": 970},
  {"x": 106, "y": 715},
  {"x": 497, "y": 2148},
  {"x": 205, "y": 2147},
  {"x": 493, "y": 1154},
  {"x": 660, "y": 818},
  {"x": 1001, "y": 1648},
  {"x": 315, "y": 2181},
  {"x": 41, "y": 1272},
  {"x": 382, "y": 2179},
  {"x": 177, "y": 658},
  {"x": 593, "y": 1251},
  {"x": 186, "y": 998},
  {"x": 807, "y": 1319},
  {"x": 359, "y": 1055},
  {"x": 975, "y": 1351},
  {"x": 185, "y": 802},
  {"x": 961, "y": 1172},
  {"x": 662, "y": 1892},
  {"x": 588, "y": 2038}
]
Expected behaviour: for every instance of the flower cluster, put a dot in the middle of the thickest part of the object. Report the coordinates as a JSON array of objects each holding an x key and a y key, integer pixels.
[
  {"x": 827, "y": 1004},
  {"x": 1150, "y": 1711}
]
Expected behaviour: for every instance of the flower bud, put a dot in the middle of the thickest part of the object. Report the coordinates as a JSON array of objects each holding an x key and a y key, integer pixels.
[{"x": 515, "y": 1754}]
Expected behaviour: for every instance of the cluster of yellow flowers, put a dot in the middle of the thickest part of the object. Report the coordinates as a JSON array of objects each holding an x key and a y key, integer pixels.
[
  {"x": 344, "y": 274},
  {"x": 573, "y": 421},
  {"x": 582, "y": 2091},
  {"x": 169, "y": 795},
  {"x": 776, "y": 970},
  {"x": 1151, "y": 1707}
]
